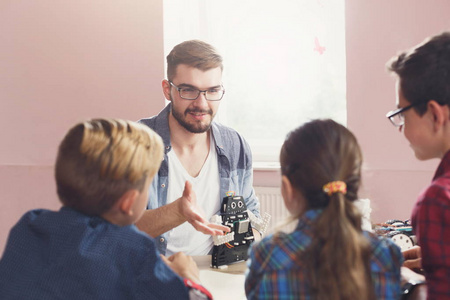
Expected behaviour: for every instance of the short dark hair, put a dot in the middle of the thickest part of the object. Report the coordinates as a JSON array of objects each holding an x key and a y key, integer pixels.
[
  {"x": 101, "y": 159},
  {"x": 194, "y": 53},
  {"x": 424, "y": 71}
]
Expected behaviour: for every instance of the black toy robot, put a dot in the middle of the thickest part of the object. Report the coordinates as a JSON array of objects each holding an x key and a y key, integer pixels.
[{"x": 233, "y": 247}]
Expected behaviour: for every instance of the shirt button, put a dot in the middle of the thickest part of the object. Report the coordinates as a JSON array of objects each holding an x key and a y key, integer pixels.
[
  {"x": 161, "y": 240},
  {"x": 163, "y": 185}
]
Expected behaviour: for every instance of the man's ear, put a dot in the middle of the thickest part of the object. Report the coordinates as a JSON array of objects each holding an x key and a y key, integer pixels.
[
  {"x": 126, "y": 202},
  {"x": 439, "y": 113},
  {"x": 166, "y": 86}
]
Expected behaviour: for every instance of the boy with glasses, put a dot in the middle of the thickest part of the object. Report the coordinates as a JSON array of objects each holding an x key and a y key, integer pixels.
[
  {"x": 203, "y": 159},
  {"x": 423, "y": 114}
]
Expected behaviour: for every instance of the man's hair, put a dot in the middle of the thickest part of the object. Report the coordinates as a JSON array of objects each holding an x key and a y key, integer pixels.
[
  {"x": 100, "y": 159},
  {"x": 424, "y": 71},
  {"x": 194, "y": 53}
]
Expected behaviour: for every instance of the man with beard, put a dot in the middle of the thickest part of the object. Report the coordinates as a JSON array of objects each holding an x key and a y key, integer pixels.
[{"x": 203, "y": 159}]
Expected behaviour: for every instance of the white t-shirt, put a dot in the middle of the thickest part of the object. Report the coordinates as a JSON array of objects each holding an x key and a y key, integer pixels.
[{"x": 207, "y": 189}]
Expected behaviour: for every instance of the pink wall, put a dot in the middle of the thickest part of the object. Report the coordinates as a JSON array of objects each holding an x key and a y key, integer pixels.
[
  {"x": 376, "y": 30},
  {"x": 62, "y": 62}
]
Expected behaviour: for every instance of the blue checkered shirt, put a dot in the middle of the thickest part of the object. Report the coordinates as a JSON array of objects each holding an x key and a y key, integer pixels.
[{"x": 277, "y": 272}]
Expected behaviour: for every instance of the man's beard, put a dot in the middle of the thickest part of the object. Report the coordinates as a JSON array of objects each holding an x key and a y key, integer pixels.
[{"x": 192, "y": 127}]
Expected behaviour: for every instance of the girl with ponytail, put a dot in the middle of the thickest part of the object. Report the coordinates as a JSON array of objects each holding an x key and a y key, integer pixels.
[{"x": 328, "y": 255}]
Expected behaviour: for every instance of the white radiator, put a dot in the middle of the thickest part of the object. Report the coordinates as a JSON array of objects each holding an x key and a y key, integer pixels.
[{"x": 272, "y": 202}]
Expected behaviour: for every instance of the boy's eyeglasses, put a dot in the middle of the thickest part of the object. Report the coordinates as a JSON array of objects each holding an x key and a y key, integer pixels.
[
  {"x": 190, "y": 93},
  {"x": 397, "y": 117}
]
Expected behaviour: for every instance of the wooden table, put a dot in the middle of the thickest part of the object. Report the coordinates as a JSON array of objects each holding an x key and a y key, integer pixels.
[{"x": 225, "y": 283}]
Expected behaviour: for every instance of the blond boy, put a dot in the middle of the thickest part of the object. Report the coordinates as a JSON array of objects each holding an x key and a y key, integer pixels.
[{"x": 90, "y": 248}]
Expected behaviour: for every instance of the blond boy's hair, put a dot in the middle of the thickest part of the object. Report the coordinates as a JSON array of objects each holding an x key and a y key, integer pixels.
[{"x": 100, "y": 159}]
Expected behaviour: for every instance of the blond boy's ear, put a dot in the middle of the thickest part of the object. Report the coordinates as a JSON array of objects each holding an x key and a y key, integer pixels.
[{"x": 126, "y": 202}]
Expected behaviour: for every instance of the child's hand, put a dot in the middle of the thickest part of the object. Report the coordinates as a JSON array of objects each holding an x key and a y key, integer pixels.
[
  {"x": 407, "y": 275},
  {"x": 420, "y": 292},
  {"x": 183, "y": 265},
  {"x": 194, "y": 215},
  {"x": 413, "y": 258}
]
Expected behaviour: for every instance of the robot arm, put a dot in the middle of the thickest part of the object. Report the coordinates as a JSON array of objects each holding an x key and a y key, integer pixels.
[
  {"x": 221, "y": 239},
  {"x": 259, "y": 224}
]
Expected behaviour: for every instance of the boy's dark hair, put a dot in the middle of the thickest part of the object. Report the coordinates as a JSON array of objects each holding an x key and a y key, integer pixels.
[
  {"x": 194, "y": 53},
  {"x": 424, "y": 71},
  {"x": 99, "y": 160}
]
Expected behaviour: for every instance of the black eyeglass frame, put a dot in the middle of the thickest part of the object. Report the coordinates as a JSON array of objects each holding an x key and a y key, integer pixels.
[
  {"x": 390, "y": 115},
  {"x": 199, "y": 92}
]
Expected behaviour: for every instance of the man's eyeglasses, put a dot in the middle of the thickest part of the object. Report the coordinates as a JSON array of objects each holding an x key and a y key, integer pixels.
[
  {"x": 190, "y": 93},
  {"x": 397, "y": 117}
]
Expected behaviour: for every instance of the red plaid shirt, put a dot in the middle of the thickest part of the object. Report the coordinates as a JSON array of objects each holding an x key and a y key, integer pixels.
[{"x": 431, "y": 223}]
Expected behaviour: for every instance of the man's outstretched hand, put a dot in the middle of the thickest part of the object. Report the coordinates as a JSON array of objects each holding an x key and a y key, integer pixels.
[{"x": 188, "y": 209}]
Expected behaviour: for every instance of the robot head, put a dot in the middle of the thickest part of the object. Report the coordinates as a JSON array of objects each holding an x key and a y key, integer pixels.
[{"x": 233, "y": 205}]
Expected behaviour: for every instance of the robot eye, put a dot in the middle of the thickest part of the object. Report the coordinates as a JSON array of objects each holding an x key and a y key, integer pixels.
[
  {"x": 233, "y": 205},
  {"x": 240, "y": 204}
]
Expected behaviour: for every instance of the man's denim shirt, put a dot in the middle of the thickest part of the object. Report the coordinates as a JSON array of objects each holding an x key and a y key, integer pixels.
[{"x": 235, "y": 166}]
